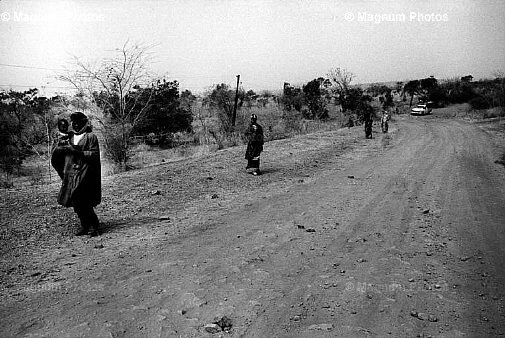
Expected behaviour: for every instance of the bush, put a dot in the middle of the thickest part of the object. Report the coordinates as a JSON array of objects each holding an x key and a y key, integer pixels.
[
  {"x": 117, "y": 144},
  {"x": 495, "y": 112},
  {"x": 293, "y": 123},
  {"x": 479, "y": 102},
  {"x": 315, "y": 101},
  {"x": 292, "y": 97},
  {"x": 502, "y": 159},
  {"x": 458, "y": 92},
  {"x": 439, "y": 97},
  {"x": 6, "y": 183}
]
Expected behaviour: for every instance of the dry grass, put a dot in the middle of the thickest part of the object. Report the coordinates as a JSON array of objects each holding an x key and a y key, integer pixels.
[
  {"x": 454, "y": 111},
  {"x": 146, "y": 156},
  {"x": 207, "y": 138},
  {"x": 465, "y": 111},
  {"x": 386, "y": 138},
  {"x": 495, "y": 127}
]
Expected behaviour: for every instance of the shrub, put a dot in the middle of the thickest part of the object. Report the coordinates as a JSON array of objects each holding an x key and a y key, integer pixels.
[
  {"x": 117, "y": 145},
  {"x": 495, "y": 112},
  {"x": 479, "y": 102},
  {"x": 439, "y": 97},
  {"x": 221, "y": 101},
  {"x": 292, "y": 97}
]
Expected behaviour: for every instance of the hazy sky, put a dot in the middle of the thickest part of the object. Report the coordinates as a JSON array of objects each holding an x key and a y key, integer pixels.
[{"x": 202, "y": 42}]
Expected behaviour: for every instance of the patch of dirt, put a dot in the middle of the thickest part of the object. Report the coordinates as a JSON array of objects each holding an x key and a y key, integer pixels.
[{"x": 400, "y": 235}]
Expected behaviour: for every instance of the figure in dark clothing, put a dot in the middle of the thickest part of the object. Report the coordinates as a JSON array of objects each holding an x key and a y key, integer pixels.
[
  {"x": 78, "y": 165},
  {"x": 61, "y": 138},
  {"x": 64, "y": 134},
  {"x": 254, "y": 136},
  {"x": 368, "y": 120}
]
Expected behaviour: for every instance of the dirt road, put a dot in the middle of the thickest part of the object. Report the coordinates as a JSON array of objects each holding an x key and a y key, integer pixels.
[{"x": 398, "y": 236}]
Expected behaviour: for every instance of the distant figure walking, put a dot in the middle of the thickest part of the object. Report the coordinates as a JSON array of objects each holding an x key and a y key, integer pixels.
[
  {"x": 384, "y": 121},
  {"x": 368, "y": 120},
  {"x": 77, "y": 162},
  {"x": 254, "y": 136}
]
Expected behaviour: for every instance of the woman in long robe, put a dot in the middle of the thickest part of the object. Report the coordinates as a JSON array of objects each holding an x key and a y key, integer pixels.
[
  {"x": 254, "y": 135},
  {"x": 78, "y": 165}
]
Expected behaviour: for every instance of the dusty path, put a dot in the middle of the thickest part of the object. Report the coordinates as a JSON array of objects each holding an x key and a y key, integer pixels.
[{"x": 401, "y": 237}]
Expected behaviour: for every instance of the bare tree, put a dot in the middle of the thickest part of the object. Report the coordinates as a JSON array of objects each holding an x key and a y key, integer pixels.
[
  {"x": 341, "y": 79},
  {"x": 119, "y": 90}
]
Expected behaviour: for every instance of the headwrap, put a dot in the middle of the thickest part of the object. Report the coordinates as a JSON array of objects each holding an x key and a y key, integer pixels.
[{"x": 80, "y": 117}]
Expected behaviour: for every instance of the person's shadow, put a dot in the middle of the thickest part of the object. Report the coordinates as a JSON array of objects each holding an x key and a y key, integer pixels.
[
  {"x": 113, "y": 225},
  {"x": 269, "y": 170}
]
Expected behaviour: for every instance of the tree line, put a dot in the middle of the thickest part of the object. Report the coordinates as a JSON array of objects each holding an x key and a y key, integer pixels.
[
  {"x": 482, "y": 94},
  {"x": 126, "y": 100}
]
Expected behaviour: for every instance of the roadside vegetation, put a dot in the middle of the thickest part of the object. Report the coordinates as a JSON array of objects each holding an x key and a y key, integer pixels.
[{"x": 144, "y": 119}]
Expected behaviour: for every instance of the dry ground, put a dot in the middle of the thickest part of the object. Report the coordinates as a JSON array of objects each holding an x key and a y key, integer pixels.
[{"x": 397, "y": 236}]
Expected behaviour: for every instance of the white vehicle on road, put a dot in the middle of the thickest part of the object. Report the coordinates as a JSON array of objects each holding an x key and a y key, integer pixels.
[{"x": 421, "y": 109}]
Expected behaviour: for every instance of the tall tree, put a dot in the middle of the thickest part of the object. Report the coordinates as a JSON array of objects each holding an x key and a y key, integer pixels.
[
  {"x": 25, "y": 124},
  {"x": 412, "y": 88},
  {"x": 165, "y": 114},
  {"x": 121, "y": 88},
  {"x": 221, "y": 99},
  {"x": 292, "y": 97},
  {"x": 315, "y": 99},
  {"x": 187, "y": 100},
  {"x": 428, "y": 84}
]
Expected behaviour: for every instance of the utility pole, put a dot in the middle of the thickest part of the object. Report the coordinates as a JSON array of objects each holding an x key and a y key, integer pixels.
[
  {"x": 234, "y": 117},
  {"x": 48, "y": 134}
]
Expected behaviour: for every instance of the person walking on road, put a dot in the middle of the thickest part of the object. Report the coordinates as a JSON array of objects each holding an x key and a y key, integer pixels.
[
  {"x": 78, "y": 165},
  {"x": 254, "y": 136},
  {"x": 368, "y": 120},
  {"x": 384, "y": 121}
]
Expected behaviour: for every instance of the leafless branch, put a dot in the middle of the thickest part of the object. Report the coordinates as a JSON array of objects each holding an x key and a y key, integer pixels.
[{"x": 341, "y": 78}]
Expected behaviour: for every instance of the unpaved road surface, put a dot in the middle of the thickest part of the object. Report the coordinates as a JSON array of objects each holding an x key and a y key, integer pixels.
[{"x": 399, "y": 236}]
